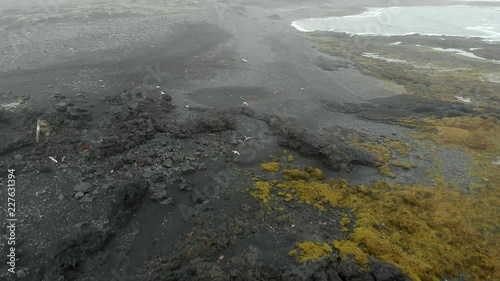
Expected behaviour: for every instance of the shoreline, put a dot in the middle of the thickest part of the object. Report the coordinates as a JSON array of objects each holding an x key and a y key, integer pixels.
[{"x": 386, "y": 15}]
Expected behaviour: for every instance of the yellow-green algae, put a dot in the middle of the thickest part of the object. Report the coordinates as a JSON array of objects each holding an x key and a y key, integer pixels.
[{"x": 429, "y": 232}]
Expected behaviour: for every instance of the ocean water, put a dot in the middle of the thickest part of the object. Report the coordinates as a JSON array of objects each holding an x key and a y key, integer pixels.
[
  {"x": 464, "y": 21},
  {"x": 476, "y": 0}
]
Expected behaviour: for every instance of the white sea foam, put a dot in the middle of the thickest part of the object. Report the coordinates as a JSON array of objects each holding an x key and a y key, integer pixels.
[
  {"x": 489, "y": 31},
  {"x": 496, "y": 162},
  {"x": 429, "y": 66},
  {"x": 464, "y": 53},
  {"x": 492, "y": 77},
  {"x": 293, "y": 9},
  {"x": 379, "y": 57},
  {"x": 476, "y": 0},
  {"x": 458, "y": 52},
  {"x": 300, "y": 28},
  {"x": 462, "y": 99}
]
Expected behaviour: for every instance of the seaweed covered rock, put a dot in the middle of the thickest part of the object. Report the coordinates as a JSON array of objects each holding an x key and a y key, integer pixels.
[{"x": 328, "y": 146}]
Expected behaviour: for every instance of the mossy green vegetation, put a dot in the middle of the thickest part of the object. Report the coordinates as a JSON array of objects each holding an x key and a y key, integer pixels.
[
  {"x": 262, "y": 191},
  {"x": 401, "y": 147},
  {"x": 345, "y": 220},
  {"x": 308, "y": 174},
  {"x": 384, "y": 154},
  {"x": 475, "y": 133},
  {"x": 429, "y": 232},
  {"x": 307, "y": 251},
  {"x": 480, "y": 137},
  {"x": 317, "y": 174},
  {"x": 385, "y": 169},
  {"x": 402, "y": 164},
  {"x": 273, "y": 167},
  {"x": 296, "y": 174},
  {"x": 349, "y": 249}
]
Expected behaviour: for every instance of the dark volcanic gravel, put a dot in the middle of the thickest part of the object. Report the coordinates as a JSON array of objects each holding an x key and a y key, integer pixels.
[{"x": 139, "y": 157}]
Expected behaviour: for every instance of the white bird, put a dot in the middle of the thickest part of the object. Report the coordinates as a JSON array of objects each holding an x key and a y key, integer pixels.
[{"x": 236, "y": 152}]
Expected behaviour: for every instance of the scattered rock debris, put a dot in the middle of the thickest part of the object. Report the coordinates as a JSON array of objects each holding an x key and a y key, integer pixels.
[{"x": 139, "y": 154}]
